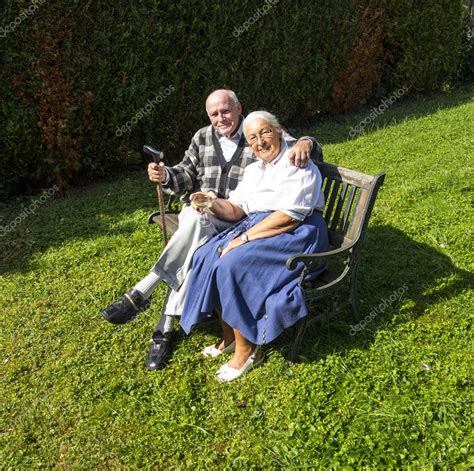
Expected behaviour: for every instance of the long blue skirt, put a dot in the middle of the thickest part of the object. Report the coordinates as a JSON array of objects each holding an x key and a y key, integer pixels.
[{"x": 251, "y": 285}]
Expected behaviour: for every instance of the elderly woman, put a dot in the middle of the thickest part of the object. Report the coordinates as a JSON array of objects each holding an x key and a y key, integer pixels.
[{"x": 241, "y": 272}]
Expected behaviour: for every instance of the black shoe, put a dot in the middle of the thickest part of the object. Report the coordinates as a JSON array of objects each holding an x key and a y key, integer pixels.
[
  {"x": 126, "y": 308},
  {"x": 160, "y": 350}
]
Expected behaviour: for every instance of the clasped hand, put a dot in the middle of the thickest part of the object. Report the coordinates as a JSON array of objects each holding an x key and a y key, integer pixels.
[
  {"x": 232, "y": 245},
  {"x": 157, "y": 172}
]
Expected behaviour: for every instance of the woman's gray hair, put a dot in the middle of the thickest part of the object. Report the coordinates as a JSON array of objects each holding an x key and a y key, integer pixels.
[{"x": 268, "y": 117}]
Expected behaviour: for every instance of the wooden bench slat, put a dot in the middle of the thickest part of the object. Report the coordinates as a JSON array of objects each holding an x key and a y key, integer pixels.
[
  {"x": 347, "y": 210},
  {"x": 339, "y": 206},
  {"x": 327, "y": 182},
  {"x": 358, "y": 216},
  {"x": 352, "y": 177},
  {"x": 330, "y": 203},
  {"x": 171, "y": 221}
]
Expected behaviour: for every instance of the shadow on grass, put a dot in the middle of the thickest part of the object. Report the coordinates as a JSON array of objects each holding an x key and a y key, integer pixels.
[
  {"x": 391, "y": 260},
  {"x": 81, "y": 214},
  {"x": 336, "y": 129}
]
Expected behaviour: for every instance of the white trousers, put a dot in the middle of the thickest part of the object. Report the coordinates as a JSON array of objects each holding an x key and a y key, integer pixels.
[{"x": 174, "y": 264}]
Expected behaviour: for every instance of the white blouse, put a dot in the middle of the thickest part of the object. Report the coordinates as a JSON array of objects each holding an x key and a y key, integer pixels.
[{"x": 279, "y": 185}]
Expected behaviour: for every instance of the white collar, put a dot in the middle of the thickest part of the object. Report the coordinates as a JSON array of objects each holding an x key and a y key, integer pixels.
[{"x": 236, "y": 136}]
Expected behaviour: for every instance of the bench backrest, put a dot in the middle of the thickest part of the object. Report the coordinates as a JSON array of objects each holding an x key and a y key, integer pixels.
[{"x": 350, "y": 196}]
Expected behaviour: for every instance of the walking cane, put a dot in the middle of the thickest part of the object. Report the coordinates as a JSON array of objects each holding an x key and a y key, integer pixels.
[{"x": 157, "y": 157}]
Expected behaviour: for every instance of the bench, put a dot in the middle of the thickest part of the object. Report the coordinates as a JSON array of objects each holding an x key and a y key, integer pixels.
[{"x": 350, "y": 197}]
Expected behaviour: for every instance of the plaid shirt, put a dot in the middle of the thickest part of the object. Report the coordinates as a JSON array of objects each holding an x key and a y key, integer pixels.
[{"x": 204, "y": 168}]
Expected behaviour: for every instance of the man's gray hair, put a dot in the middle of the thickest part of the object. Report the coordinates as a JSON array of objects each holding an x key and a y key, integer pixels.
[
  {"x": 265, "y": 115},
  {"x": 233, "y": 96},
  {"x": 230, "y": 93}
]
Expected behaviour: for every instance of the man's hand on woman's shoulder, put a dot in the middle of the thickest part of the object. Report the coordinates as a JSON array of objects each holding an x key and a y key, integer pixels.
[{"x": 300, "y": 153}]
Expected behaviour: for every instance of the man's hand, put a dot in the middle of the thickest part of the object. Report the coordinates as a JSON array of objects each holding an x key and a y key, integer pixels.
[
  {"x": 300, "y": 153},
  {"x": 157, "y": 172}
]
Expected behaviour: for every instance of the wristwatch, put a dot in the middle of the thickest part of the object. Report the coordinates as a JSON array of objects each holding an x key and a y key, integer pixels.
[{"x": 244, "y": 238}]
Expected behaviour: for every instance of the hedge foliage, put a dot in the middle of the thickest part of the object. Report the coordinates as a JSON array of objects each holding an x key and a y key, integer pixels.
[{"x": 76, "y": 74}]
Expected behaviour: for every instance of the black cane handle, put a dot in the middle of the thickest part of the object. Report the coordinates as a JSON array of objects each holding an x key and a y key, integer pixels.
[{"x": 155, "y": 154}]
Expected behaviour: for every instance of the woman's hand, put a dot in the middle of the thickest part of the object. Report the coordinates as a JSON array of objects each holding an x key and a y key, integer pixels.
[
  {"x": 201, "y": 201},
  {"x": 232, "y": 245}
]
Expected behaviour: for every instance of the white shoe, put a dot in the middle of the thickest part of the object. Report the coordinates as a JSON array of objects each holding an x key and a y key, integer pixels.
[
  {"x": 227, "y": 373},
  {"x": 213, "y": 351}
]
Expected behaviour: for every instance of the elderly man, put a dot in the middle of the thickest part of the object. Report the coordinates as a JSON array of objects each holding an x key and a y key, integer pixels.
[{"x": 214, "y": 161}]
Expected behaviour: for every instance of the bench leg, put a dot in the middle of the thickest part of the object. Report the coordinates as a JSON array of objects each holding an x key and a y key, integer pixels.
[
  {"x": 335, "y": 305},
  {"x": 353, "y": 295},
  {"x": 295, "y": 347}
]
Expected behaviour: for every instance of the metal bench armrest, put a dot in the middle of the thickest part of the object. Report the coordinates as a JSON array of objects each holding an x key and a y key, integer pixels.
[
  {"x": 310, "y": 259},
  {"x": 335, "y": 281}
]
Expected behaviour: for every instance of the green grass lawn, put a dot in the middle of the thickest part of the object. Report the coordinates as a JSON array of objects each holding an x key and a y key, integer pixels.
[{"x": 75, "y": 392}]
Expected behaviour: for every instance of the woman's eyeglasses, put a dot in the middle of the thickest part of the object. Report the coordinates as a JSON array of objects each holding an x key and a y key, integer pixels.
[{"x": 261, "y": 136}]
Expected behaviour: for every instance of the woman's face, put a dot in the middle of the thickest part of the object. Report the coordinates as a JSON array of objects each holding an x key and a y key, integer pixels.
[{"x": 264, "y": 139}]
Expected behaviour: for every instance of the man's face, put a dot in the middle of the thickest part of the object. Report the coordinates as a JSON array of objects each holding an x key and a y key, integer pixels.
[
  {"x": 223, "y": 113},
  {"x": 264, "y": 139}
]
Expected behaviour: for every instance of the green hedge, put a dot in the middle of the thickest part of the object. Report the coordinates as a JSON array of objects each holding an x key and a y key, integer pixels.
[
  {"x": 425, "y": 45},
  {"x": 74, "y": 73}
]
